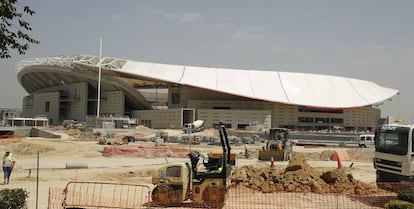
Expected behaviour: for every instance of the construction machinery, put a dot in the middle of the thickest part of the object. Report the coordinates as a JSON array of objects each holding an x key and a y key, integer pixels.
[
  {"x": 394, "y": 153},
  {"x": 180, "y": 183},
  {"x": 278, "y": 146},
  {"x": 193, "y": 127}
]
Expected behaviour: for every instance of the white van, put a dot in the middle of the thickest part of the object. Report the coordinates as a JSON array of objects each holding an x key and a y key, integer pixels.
[{"x": 366, "y": 140}]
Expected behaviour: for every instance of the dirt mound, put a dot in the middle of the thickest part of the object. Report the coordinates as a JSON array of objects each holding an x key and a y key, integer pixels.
[
  {"x": 74, "y": 133},
  {"x": 144, "y": 129},
  {"x": 298, "y": 176},
  {"x": 27, "y": 148},
  {"x": 345, "y": 155}
]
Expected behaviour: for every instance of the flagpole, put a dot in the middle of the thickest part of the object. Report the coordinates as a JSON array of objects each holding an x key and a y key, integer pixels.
[{"x": 99, "y": 78}]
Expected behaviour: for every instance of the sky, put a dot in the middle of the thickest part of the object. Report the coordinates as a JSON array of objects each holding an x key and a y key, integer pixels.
[{"x": 369, "y": 40}]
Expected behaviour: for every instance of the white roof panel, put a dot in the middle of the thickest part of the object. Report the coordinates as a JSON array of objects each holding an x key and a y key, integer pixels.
[
  {"x": 236, "y": 82},
  {"x": 372, "y": 92},
  {"x": 298, "y": 89},
  {"x": 346, "y": 95},
  {"x": 201, "y": 77},
  {"x": 141, "y": 68},
  {"x": 266, "y": 84},
  {"x": 171, "y": 73},
  {"x": 283, "y": 87}
]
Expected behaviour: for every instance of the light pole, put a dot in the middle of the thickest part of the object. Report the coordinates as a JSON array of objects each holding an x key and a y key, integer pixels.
[{"x": 99, "y": 78}]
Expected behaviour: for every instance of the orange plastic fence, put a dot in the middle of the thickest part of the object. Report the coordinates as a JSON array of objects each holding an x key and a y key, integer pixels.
[{"x": 140, "y": 151}]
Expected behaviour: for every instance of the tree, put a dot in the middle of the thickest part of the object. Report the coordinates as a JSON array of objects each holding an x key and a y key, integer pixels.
[{"x": 13, "y": 28}]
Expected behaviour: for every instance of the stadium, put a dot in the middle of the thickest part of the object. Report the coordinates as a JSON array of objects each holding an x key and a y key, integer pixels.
[{"x": 169, "y": 96}]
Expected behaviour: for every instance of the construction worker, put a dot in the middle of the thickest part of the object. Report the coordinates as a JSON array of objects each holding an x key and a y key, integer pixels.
[
  {"x": 287, "y": 149},
  {"x": 246, "y": 154},
  {"x": 8, "y": 164}
]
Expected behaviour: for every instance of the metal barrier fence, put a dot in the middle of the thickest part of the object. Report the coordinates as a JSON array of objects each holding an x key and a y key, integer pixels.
[
  {"x": 99, "y": 195},
  {"x": 80, "y": 194}
]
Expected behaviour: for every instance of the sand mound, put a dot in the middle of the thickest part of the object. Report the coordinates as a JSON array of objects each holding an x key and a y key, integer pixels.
[
  {"x": 299, "y": 177},
  {"x": 345, "y": 155},
  {"x": 27, "y": 148},
  {"x": 74, "y": 133},
  {"x": 144, "y": 129}
]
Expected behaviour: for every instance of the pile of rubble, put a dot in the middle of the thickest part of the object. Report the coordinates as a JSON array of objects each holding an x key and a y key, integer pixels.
[
  {"x": 298, "y": 176},
  {"x": 74, "y": 133}
]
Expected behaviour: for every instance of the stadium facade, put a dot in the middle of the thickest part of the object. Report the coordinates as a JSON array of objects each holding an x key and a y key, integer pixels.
[{"x": 164, "y": 96}]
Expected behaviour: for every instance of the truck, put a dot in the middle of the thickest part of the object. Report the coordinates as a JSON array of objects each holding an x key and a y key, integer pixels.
[
  {"x": 181, "y": 183},
  {"x": 278, "y": 146},
  {"x": 394, "y": 153},
  {"x": 193, "y": 127}
]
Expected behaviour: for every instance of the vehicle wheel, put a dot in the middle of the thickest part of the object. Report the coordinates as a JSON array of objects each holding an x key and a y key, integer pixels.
[
  {"x": 164, "y": 195},
  {"x": 364, "y": 146},
  {"x": 214, "y": 197},
  {"x": 387, "y": 181},
  {"x": 386, "y": 177}
]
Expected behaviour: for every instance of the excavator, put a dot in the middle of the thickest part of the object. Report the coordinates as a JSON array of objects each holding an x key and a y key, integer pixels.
[
  {"x": 277, "y": 146},
  {"x": 181, "y": 183}
]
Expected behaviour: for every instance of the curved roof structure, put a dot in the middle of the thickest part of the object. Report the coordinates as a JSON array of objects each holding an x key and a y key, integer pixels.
[{"x": 304, "y": 89}]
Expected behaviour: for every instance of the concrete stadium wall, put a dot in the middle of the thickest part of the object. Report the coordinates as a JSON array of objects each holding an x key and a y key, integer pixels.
[
  {"x": 35, "y": 105},
  {"x": 283, "y": 115},
  {"x": 160, "y": 118},
  {"x": 260, "y": 119},
  {"x": 73, "y": 96},
  {"x": 113, "y": 103},
  {"x": 187, "y": 94}
]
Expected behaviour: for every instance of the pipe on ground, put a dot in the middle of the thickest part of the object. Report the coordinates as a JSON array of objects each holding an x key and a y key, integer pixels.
[{"x": 76, "y": 165}]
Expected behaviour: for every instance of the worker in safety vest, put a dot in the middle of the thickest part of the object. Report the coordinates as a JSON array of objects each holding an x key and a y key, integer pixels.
[
  {"x": 8, "y": 164},
  {"x": 287, "y": 149}
]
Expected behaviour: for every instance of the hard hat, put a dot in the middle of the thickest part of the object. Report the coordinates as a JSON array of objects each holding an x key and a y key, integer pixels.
[{"x": 7, "y": 150}]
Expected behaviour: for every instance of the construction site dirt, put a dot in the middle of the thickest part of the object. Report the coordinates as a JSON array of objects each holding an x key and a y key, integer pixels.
[{"x": 311, "y": 171}]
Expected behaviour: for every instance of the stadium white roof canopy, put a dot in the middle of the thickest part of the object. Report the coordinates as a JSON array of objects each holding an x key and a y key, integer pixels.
[
  {"x": 321, "y": 91},
  {"x": 283, "y": 87}
]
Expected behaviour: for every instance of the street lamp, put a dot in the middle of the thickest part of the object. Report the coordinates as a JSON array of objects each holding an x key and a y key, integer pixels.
[{"x": 99, "y": 78}]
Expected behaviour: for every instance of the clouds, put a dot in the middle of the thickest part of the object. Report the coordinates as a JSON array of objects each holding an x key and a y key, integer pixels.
[
  {"x": 179, "y": 17},
  {"x": 251, "y": 34}
]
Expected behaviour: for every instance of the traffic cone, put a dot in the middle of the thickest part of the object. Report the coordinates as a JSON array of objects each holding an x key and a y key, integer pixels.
[
  {"x": 338, "y": 160},
  {"x": 272, "y": 163},
  {"x": 335, "y": 156}
]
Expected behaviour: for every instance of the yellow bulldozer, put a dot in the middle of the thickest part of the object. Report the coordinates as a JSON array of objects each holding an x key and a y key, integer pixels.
[
  {"x": 182, "y": 183},
  {"x": 277, "y": 146}
]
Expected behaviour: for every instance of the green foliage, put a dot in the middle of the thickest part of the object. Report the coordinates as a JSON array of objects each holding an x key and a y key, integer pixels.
[
  {"x": 406, "y": 196},
  {"x": 399, "y": 204},
  {"x": 13, "y": 199},
  {"x": 13, "y": 28}
]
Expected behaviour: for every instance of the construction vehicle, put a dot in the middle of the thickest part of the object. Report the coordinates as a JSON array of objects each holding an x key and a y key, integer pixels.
[
  {"x": 177, "y": 183},
  {"x": 278, "y": 147},
  {"x": 193, "y": 127},
  {"x": 394, "y": 153}
]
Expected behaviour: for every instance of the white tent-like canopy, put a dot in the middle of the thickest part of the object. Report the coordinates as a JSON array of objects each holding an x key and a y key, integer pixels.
[{"x": 312, "y": 90}]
